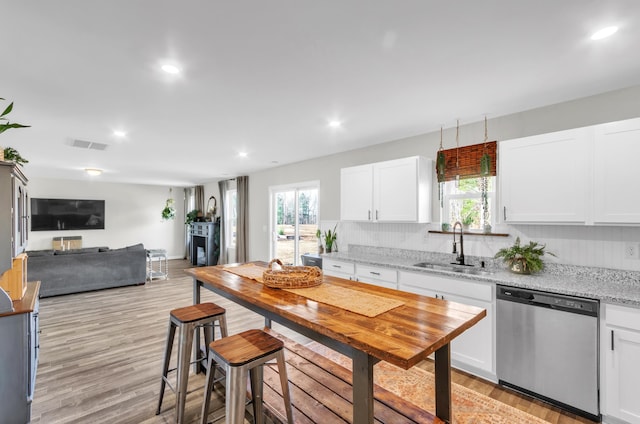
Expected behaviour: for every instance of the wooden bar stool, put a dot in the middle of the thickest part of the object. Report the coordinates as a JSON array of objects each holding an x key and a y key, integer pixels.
[
  {"x": 238, "y": 355},
  {"x": 186, "y": 320}
]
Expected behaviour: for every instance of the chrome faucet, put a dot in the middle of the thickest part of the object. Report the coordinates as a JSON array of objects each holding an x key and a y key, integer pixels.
[{"x": 460, "y": 257}]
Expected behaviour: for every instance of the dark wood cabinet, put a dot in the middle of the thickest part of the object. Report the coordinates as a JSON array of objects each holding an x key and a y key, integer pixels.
[{"x": 205, "y": 243}]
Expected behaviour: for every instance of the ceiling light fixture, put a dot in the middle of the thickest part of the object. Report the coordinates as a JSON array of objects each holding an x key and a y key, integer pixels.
[
  {"x": 93, "y": 171},
  {"x": 335, "y": 123},
  {"x": 243, "y": 154},
  {"x": 171, "y": 69},
  {"x": 120, "y": 134},
  {"x": 604, "y": 33}
]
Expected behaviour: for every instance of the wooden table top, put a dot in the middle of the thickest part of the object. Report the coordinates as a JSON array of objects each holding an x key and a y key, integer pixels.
[{"x": 402, "y": 336}]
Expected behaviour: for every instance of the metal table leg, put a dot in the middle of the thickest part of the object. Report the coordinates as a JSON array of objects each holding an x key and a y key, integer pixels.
[
  {"x": 363, "y": 387},
  {"x": 443, "y": 383}
]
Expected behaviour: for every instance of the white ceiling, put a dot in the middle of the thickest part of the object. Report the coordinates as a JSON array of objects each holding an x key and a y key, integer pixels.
[{"x": 266, "y": 76}]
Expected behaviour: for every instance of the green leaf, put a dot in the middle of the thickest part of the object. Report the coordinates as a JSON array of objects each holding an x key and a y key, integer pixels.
[{"x": 7, "y": 110}]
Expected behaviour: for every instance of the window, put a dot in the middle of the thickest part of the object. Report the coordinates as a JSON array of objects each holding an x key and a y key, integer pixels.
[
  {"x": 463, "y": 201},
  {"x": 294, "y": 221},
  {"x": 231, "y": 215}
]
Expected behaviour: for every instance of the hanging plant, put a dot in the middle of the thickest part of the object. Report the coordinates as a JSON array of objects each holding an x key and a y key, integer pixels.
[
  {"x": 169, "y": 212},
  {"x": 485, "y": 160},
  {"x": 440, "y": 165}
]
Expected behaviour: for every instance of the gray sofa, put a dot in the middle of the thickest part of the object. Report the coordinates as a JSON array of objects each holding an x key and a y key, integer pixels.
[{"x": 80, "y": 270}]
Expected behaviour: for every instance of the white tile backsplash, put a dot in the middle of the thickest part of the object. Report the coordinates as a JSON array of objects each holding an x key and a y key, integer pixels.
[{"x": 574, "y": 245}]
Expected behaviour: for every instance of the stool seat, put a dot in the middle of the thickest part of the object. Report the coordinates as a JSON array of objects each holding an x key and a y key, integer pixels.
[
  {"x": 243, "y": 355},
  {"x": 187, "y": 320},
  {"x": 240, "y": 349},
  {"x": 196, "y": 312}
]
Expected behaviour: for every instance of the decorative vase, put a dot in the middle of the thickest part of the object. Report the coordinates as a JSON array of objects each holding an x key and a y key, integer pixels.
[
  {"x": 487, "y": 229},
  {"x": 1, "y": 154},
  {"x": 518, "y": 267}
]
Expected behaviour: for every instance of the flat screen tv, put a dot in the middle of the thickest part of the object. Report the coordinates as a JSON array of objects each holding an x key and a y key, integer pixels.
[{"x": 66, "y": 214}]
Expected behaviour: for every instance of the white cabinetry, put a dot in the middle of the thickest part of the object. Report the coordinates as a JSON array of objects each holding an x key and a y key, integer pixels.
[
  {"x": 620, "y": 340},
  {"x": 473, "y": 351},
  {"x": 544, "y": 178},
  {"x": 356, "y": 193},
  {"x": 342, "y": 269},
  {"x": 616, "y": 170},
  {"x": 578, "y": 176},
  {"x": 13, "y": 213},
  {"x": 383, "y": 277},
  {"x": 391, "y": 191}
]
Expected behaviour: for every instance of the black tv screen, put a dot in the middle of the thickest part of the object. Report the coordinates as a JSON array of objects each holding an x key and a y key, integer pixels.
[{"x": 66, "y": 214}]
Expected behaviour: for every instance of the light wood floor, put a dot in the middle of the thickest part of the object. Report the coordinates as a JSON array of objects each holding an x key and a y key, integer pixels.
[{"x": 101, "y": 353}]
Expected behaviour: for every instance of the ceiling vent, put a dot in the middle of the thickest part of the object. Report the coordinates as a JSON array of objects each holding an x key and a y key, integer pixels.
[{"x": 90, "y": 145}]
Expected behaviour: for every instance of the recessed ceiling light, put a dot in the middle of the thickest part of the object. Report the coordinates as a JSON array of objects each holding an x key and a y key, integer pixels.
[
  {"x": 120, "y": 134},
  {"x": 243, "y": 154},
  {"x": 335, "y": 123},
  {"x": 604, "y": 33},
  {"x": 171, "y": 69},
  {"x": 93, "y": 171}
]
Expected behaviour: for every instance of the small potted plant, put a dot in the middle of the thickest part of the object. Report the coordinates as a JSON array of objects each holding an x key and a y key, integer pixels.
[
  {"x": 467, "y": 220},
  {"x": 10, "y": 153},
  {"x": 330, "y": 239},
  {"x": 169, "y": 212},
  {"x": 525, "y": 259}
]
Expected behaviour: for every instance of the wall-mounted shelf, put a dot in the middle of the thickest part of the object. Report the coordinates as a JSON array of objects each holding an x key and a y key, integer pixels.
[{"x": 471, "y": 233}]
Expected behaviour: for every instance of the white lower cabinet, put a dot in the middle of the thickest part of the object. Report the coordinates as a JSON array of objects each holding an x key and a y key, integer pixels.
[
  {"x": 383, "y": 277},
  {"x": 472, "y": 351},
  {"x": 342, "y": 269},
  {"x": 620, "y": 340}
]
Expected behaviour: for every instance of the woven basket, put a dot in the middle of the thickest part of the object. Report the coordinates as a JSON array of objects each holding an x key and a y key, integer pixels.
[{"x": 291, "y": 277}]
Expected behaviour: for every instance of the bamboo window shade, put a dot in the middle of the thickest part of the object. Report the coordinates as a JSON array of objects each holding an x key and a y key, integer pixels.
[{"x": 466, "y": 162}]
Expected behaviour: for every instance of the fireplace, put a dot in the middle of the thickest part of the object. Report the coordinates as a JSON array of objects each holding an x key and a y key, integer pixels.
[{"x": 205, "y": 243}]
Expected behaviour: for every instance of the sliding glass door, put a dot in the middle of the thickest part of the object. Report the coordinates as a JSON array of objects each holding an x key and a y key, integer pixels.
[{"x": 294, "y": 221}]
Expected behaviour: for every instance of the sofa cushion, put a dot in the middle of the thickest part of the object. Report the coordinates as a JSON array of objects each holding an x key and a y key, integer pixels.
[{"x": 138, "y": 246}]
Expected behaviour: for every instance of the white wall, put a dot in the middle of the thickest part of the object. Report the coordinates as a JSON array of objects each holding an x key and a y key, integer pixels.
[
  {"x": 588, "y": 246},
  {"x": 132, "y": 214}
]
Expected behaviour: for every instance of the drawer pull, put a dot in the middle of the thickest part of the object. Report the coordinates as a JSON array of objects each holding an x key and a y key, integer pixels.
[
  {"x": 337, "y": 266},
  {"x": 612, "y": 345},
  {"x": 374, "y": 273}
]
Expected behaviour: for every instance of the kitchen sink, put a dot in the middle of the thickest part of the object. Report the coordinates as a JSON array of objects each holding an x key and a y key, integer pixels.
[{"x": 461, "y": 269}]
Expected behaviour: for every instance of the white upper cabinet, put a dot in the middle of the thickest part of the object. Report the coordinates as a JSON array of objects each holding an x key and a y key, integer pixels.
[
  {"x": 356, "y": 193},
  {"x": 616, "y": 172},
  {"x": 544, "y": 178},
  {"x": 578, "y": 176},
  {"x": 391, "y": 191}
]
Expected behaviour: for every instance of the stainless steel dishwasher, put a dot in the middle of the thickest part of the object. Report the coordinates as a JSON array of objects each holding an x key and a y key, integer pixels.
[{"x": 547, "y": 347}]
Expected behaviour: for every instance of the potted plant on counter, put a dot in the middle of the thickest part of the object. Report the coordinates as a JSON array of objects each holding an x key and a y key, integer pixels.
[
  {"x": 330, "y": 239},
  {"x": 525, "y": 259}
]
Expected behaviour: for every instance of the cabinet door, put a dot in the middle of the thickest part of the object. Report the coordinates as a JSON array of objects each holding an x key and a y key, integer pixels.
[
  {"x": 472, "y": 350},
  {"x": 616, "y": 171},
  {"x": 545, "y": 178},
  {"x": 356, "y": 193},
  {"x": 622, "y": 371},
  {"x": 395, "y": 196}
]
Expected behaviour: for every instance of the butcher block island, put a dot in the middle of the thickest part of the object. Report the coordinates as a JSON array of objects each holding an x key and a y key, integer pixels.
[{"x": 364, "y": 322}]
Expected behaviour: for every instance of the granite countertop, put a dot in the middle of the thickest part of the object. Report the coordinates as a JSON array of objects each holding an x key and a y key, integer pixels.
[{"x": 607, "y": 285}]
